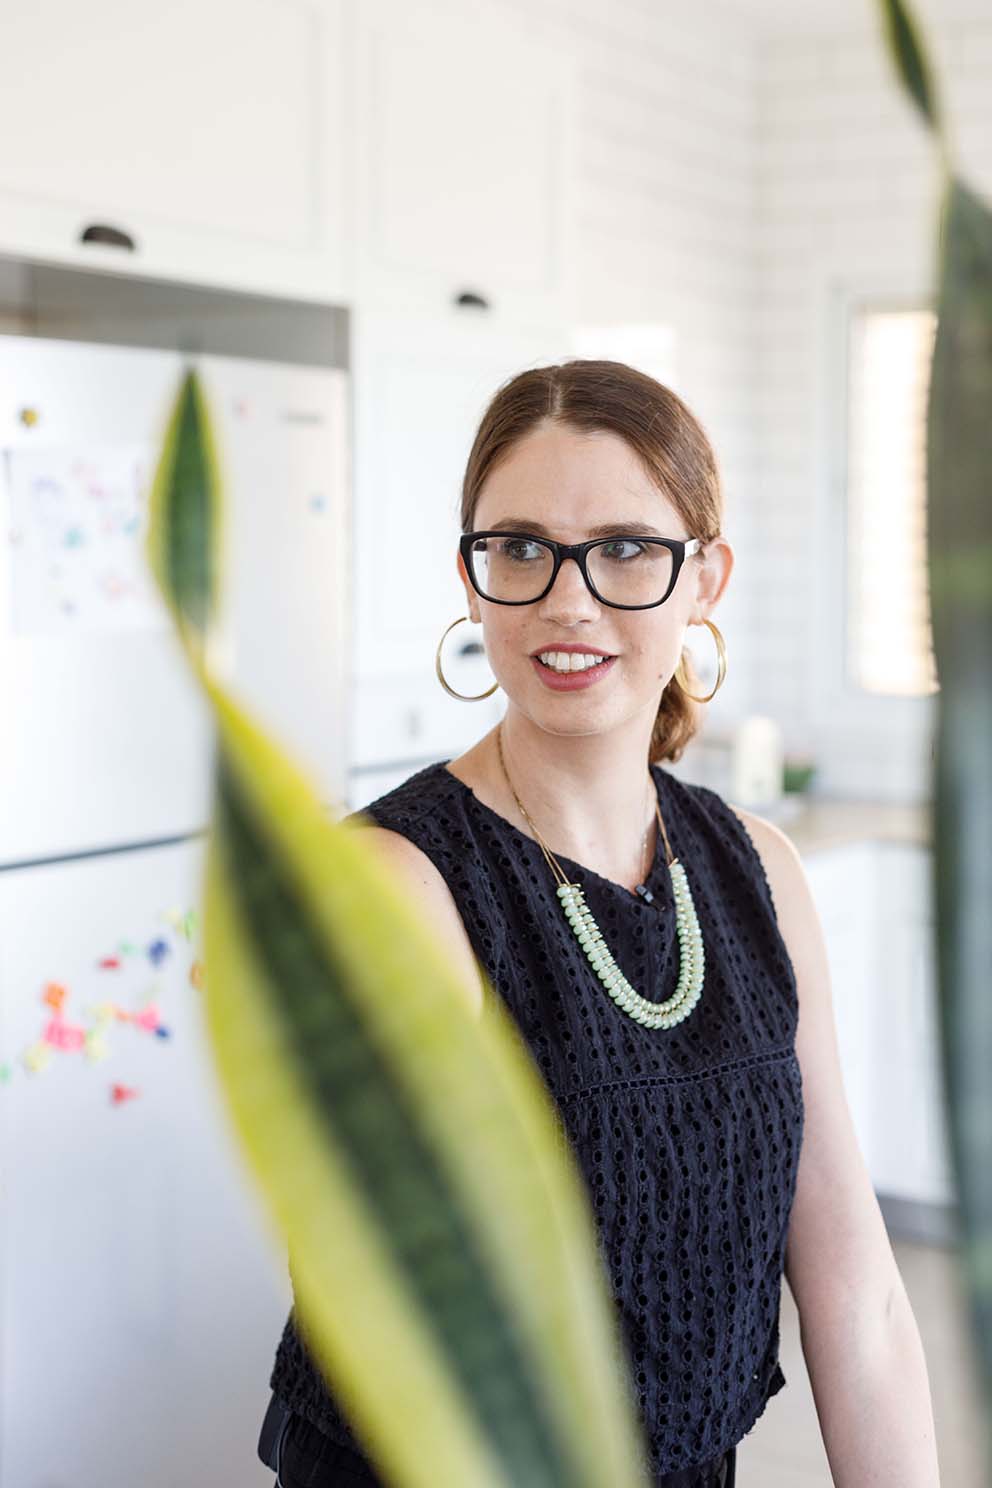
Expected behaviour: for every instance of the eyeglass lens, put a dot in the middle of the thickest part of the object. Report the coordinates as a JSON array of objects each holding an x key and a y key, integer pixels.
[{"x": 624, "y": 570}]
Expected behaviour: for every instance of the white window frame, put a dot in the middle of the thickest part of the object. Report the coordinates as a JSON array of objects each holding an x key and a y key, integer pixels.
[{"x": 871, "y": 745}]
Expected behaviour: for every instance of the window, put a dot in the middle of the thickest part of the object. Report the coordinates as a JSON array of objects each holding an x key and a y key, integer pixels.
[{"x": 890, "y": 649}]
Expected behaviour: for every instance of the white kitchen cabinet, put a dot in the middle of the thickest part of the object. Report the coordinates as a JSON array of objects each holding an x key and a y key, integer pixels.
[
  {"x": 874, "y": 902},
  {"x": 911, "y": 1155},
  {"x": 214, "y": 133},
  {"x": 396, "y": 723},
  {"x": 464, "y": 149},
  {"x": 842, "y": 880},
  {"x": 420, "y": 386}
]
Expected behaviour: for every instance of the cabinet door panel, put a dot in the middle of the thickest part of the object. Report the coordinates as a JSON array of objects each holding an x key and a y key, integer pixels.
[
  {"x": 464, "y": 159},
  {"x": 912, "y": 1153},
  {"x": 205, "y": 131},
  {"x": 842, "y": 883}
]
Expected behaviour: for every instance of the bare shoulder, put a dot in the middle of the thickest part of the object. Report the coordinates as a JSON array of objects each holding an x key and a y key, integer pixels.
[
  {"x": 779, "y": 857},
  {"x": 429, "y": 890},
  {"x": 795, "y": 909}
]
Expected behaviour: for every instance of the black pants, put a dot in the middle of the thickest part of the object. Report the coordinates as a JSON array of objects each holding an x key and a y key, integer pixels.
[{"x": 304, "y": 1457}]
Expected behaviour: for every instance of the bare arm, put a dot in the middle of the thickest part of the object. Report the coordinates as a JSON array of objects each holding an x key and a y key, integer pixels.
[{"x": 859, "y": 1337}]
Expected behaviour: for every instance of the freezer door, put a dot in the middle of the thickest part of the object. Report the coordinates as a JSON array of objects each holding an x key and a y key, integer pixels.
[{"x": 142, "y": 1293}]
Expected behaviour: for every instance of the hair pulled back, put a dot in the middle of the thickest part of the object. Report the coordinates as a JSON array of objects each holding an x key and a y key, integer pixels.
[{"x": 589, "y": 395}]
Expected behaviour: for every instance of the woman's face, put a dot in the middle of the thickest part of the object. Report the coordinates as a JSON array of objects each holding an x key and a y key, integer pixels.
[{"x": 561, "y": 483}]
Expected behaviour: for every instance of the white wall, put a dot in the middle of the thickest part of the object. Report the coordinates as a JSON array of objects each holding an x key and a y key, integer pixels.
[
  {"x": 744, "y": 185},
  {"x": 847, "y": 199},
  {"x": 668, "y": 232}
]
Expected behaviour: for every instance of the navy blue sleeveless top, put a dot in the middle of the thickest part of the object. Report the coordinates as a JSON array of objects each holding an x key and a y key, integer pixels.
[{"x": 688, "y": 1138}]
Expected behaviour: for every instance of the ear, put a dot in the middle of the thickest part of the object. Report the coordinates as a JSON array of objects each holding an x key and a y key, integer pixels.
[
  {"x": 471, "y": 598},
  {"x": 712, "y": 575}
]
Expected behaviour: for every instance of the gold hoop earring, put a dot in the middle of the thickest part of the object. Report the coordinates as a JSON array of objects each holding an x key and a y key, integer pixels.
[
  {"x": 721, "y": 648},
  {"x": 464, "y": 696}
]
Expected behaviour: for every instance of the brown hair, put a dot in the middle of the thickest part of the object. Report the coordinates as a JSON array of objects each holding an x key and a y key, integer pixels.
[{"x": 673, "y": 447}]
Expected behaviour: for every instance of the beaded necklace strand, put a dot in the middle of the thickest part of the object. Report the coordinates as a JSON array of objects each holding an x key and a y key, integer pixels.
[{"x": 691, "y": 956}]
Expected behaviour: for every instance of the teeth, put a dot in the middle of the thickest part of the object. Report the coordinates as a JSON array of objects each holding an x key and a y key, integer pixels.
[{"x": 570, "y": 661}]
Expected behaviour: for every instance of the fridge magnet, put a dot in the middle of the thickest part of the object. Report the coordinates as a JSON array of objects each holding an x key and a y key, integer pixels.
[
  {"x": 37, "y": 1058},
  {"x": 183, "y": 924},
  {"x": 147, "y": 1018},
  {"x": 63, "y": 1035},
  {"x": 121, "y": 1093},
  {"x": 54, "y": 996},
  {"x": 196, "y": 975},
  {"x": 96, "y": 1045},
  {"x": 157, "y": 951},
  {"x": 109, "y": 963}
]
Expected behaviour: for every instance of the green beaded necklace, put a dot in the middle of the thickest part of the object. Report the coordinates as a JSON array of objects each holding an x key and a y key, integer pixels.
[{"x": 691, "y": 956}]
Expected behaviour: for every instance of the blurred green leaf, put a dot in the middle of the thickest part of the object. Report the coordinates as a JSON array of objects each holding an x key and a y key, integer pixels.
[
  {"x": 444, "y": 1254},
  {"x": 910, "y": 59},
  {"x": 959, "y": 540}
]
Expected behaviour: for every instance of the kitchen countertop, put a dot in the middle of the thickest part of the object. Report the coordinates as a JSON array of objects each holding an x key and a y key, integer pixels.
[{"x": 816, "y": 823}]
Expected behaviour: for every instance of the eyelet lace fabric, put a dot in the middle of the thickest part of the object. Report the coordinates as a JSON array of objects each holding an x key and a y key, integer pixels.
[{"x": 688, "y": 1138}]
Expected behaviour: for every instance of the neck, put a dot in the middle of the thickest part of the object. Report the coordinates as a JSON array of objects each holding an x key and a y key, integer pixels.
[{"x": 590, "y": 795}]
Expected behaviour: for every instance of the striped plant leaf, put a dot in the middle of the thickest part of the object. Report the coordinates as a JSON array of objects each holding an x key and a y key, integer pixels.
[
  {"x": 184, "y": 531},
  {"x": 910, "y": 59},
  {"x": 959, "y": 538},
  {"x": 445, "y": 1261}
]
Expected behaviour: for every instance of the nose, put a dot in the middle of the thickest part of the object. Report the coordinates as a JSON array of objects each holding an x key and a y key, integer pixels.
[{"x": 569, "y": 595}]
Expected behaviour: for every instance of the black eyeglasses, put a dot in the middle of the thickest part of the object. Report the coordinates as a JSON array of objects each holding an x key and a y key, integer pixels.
[{"x": 627, "y": 573}]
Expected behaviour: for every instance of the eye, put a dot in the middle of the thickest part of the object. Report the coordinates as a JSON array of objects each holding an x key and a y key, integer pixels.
[
  {"x": 513, "y": 548},
  {"x": 621, "y": 542}
]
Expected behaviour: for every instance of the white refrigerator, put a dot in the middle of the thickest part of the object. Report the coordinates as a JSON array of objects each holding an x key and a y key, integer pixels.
[{"x": 142, "y": 1291}]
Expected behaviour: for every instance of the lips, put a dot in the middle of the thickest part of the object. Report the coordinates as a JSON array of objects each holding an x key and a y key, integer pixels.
[
  {"x": 583, "y": 650},
  {"x": 573, "y": 681}
]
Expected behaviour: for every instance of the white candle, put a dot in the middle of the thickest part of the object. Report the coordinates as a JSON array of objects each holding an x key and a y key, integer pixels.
[{"x": 758, "y": 760}]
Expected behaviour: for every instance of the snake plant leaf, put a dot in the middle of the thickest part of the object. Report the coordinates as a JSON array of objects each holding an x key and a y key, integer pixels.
[
  {"x": 959, "y": 461},
  {"x": 910, "y": 59},
  {"x": 959, "y": 543},
  {"x": 444, "y": 1255},
  {"x": 184, "y": 538}
]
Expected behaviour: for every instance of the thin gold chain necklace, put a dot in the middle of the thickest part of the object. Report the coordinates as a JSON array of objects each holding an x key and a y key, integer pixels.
[{"x": 691, "y": 956}]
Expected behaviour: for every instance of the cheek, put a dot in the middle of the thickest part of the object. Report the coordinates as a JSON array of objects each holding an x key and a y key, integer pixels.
[
  {"x": 505, "y": 639},
  {"x": 657, "y": 657}
]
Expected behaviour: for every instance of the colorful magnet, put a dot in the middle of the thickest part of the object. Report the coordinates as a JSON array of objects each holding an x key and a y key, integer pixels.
[
  {"x": 54, "y": 995},
  {"x": 37, "y": 1058},
  {"x": 147, "y": 1018},
  {"x": 157, "y": 951},
  {"x": 96, "y": 1045},
  {"x": 62, "y": 1035}
]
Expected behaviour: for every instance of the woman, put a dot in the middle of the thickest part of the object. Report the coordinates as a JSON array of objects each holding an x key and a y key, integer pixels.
[{"x": 712, "y": 1127}]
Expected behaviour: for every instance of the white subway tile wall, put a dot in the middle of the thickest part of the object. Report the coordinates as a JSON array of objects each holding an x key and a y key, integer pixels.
[{"x": 748, "y": 186}]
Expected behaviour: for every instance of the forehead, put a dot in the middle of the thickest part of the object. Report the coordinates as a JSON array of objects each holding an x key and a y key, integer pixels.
[{"x": 570, "y": 481}]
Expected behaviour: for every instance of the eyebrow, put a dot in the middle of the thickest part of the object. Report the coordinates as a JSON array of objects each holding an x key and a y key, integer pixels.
[{"x": 604, "y": 529}]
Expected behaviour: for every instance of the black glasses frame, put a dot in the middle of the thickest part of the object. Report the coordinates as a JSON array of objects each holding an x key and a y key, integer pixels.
[{"x": 680, "y": 548}]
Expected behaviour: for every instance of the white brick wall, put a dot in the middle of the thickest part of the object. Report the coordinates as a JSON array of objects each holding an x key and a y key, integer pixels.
[
  {"x": 847, "y": 198},
  {"x": 668, "y": 232},
  {"x": 745, "y": 187}
]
